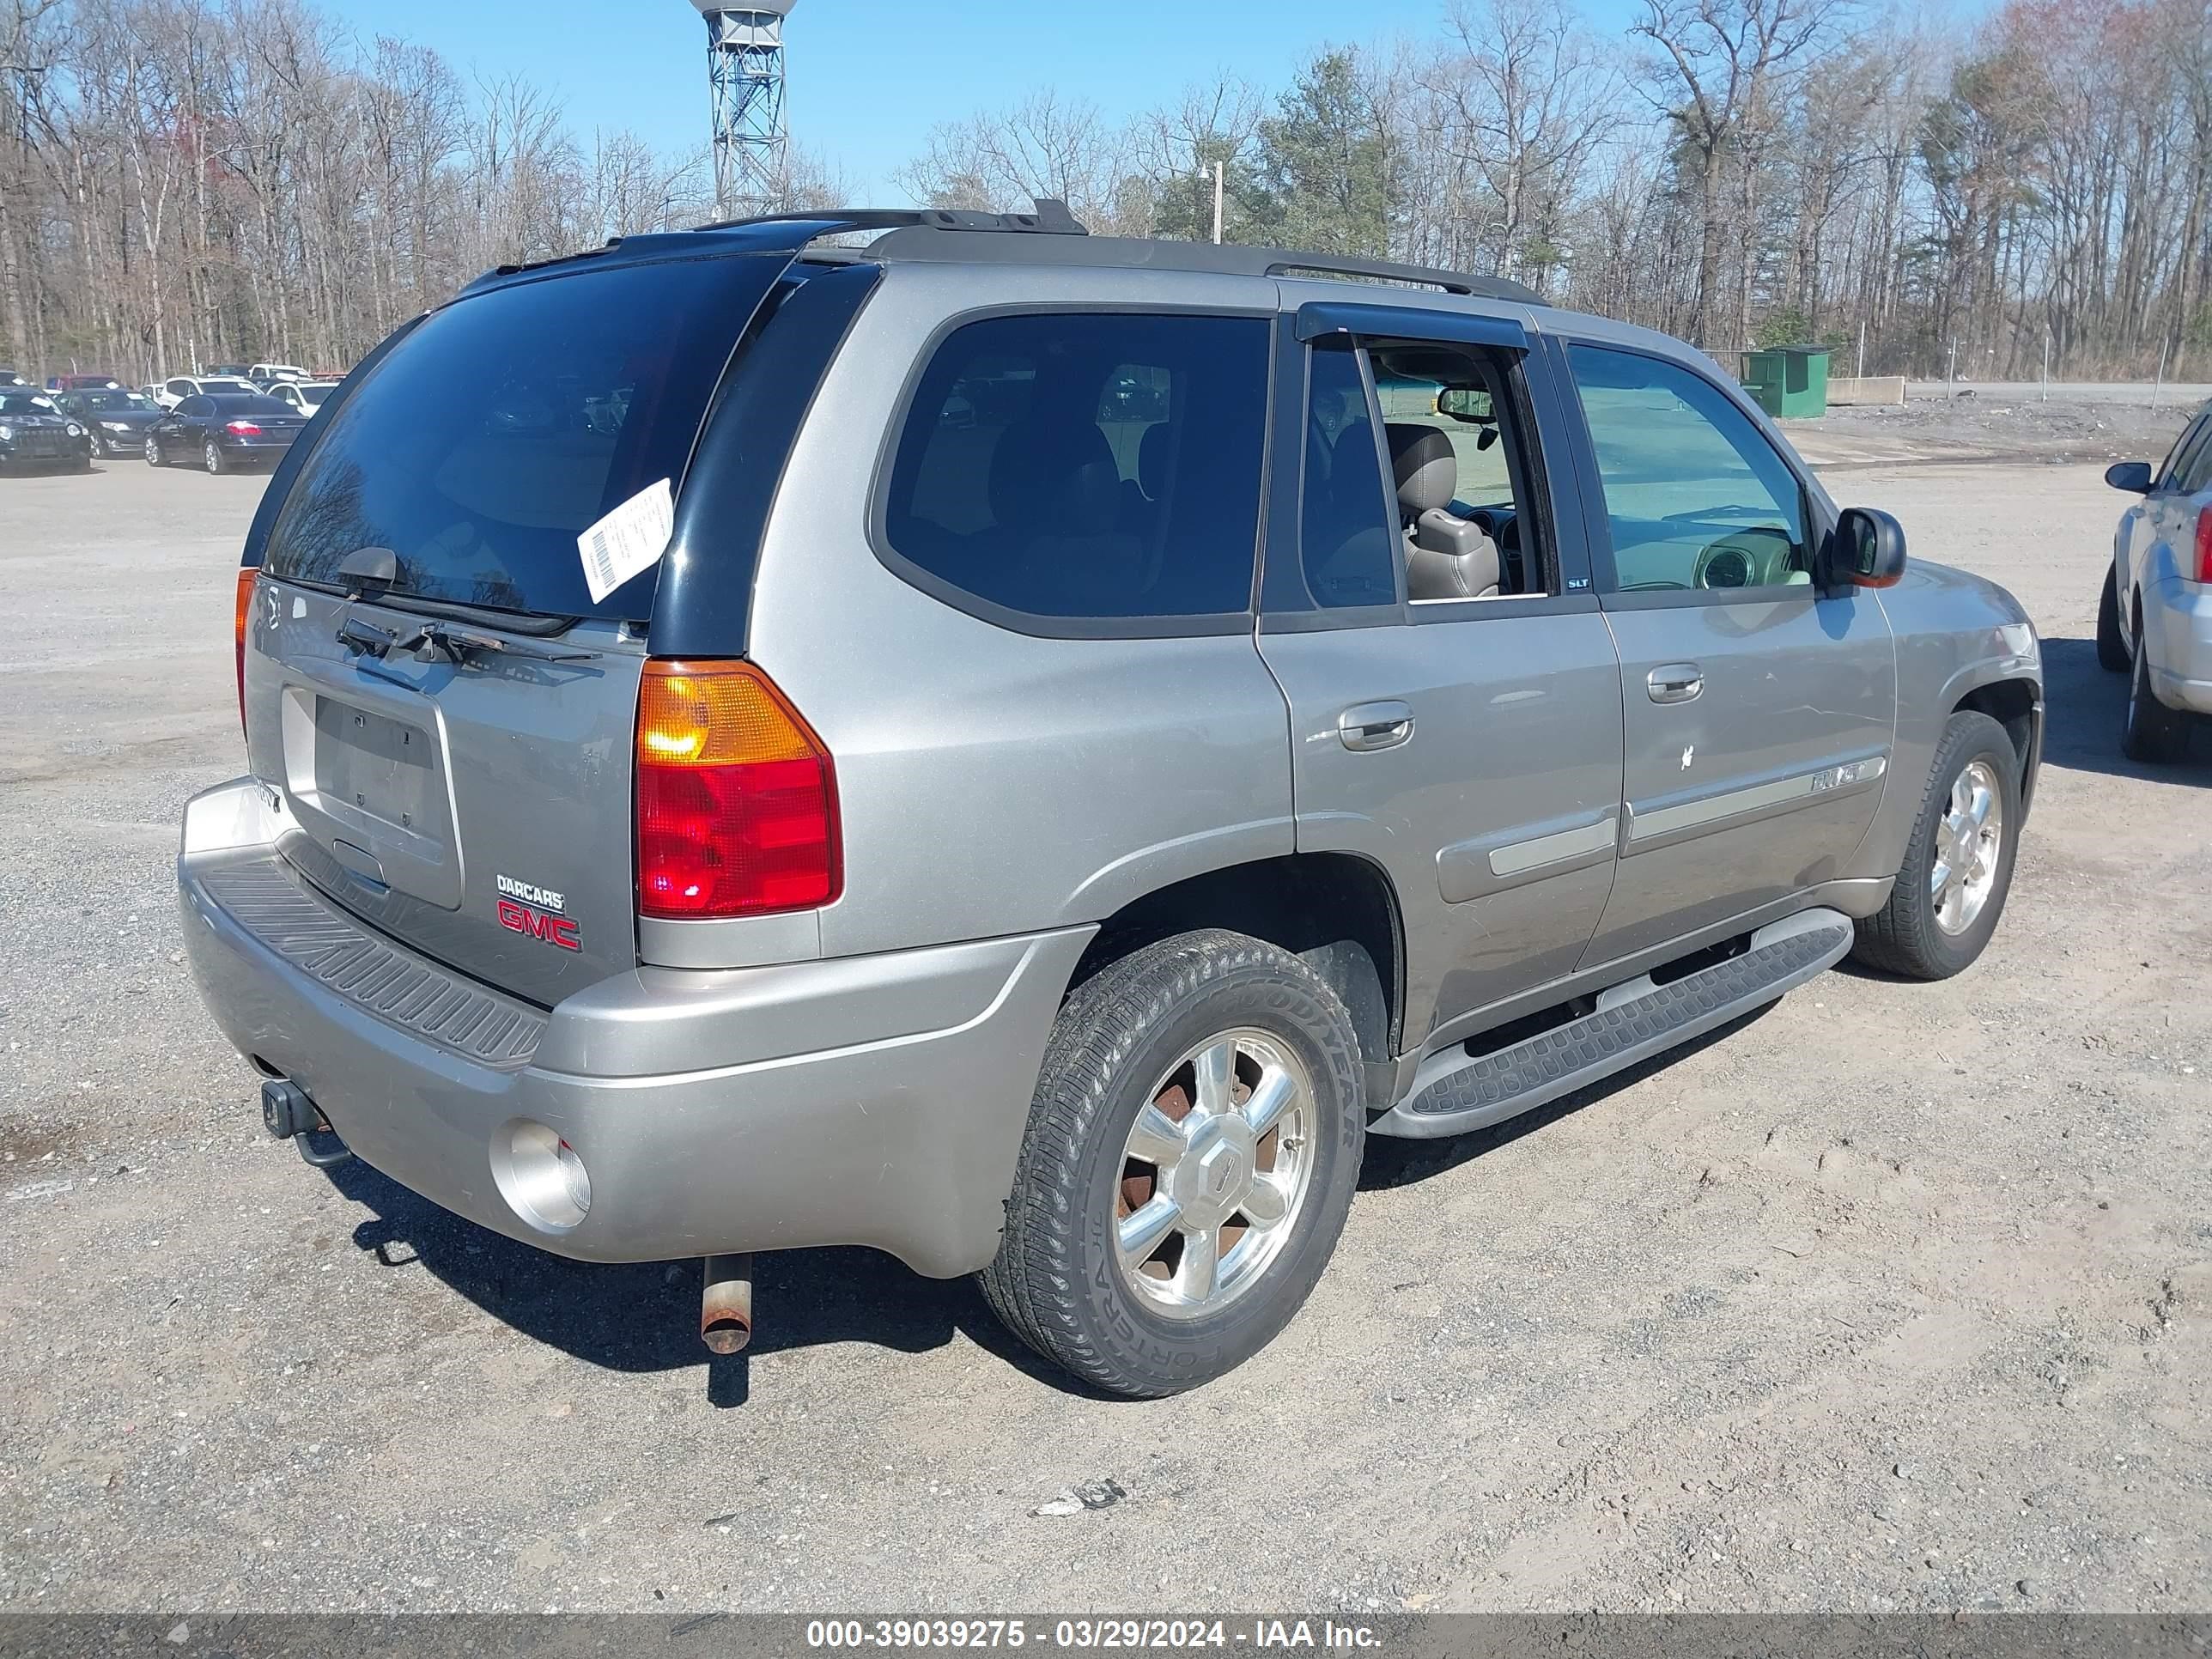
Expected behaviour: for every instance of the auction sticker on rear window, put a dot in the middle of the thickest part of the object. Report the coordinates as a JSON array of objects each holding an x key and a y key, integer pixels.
[{"x": 629, "y": 539}]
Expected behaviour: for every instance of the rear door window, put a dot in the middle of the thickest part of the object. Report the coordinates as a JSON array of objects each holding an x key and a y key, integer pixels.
[
  {"x": 511, "y": 421},
  {"x": 1100, "y": 467}
]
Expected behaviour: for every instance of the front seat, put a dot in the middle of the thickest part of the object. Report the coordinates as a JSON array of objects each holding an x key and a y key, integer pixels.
[{"x": 1447, "y": 557}]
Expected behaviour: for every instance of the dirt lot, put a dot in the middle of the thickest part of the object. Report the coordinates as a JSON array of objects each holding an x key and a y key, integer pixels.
[{"x": 1895, "y": 1296}]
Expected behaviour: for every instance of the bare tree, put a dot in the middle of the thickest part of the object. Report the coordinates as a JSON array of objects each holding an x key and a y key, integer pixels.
[{"x": 1725, "y": 71}]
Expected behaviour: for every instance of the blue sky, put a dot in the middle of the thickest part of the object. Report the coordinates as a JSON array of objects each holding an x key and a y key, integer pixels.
[{"x": 867, "y": 79}]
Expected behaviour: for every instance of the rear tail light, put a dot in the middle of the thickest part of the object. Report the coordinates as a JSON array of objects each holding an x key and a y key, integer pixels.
[
  {"x": 2203, "y": 545},
  {"x": 246, "y": 578},
  {"x": 736, "y": 798},
  {"x": 244, "y": 428}
]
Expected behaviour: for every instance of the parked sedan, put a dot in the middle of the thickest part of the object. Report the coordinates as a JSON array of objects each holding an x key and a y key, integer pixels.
[
  {"x": 34, "y": 432},
  {"x": 116, "y": 419},
  {"x": 224, "y": 431}
]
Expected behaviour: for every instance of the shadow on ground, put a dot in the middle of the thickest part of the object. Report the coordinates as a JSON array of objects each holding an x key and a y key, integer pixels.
[
  {"x": 2084, "y": 707},
  {"x": 1391, "y": 1163},
  {"x": 644, "y": 1316}
]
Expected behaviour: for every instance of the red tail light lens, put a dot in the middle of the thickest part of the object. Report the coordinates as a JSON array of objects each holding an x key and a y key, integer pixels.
[
  {"x": 246, "y": 578},
  {"x": 737, "y": 799},
  {"x": 244, "y": 428},
  {"x": 2204, "y": 544}
]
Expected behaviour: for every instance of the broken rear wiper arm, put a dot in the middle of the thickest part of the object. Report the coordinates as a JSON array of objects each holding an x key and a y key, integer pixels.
[{"x": 457, "y": 642}]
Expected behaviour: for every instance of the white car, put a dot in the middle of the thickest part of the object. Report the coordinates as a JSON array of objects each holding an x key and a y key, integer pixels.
[
  {"x": 268, "y": 374},
  {"x": 178, "y": 387},
  {"x": 2154, "y": 620},
  {"x": 306, "y": 396}
]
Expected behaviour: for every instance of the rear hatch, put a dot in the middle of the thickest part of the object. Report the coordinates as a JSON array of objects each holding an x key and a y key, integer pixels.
[{"x": 429, "y": 678}]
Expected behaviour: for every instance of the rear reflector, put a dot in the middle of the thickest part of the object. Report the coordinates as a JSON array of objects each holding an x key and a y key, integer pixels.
[
  {"x": 736, "y": 798},
  {"x": 246, "y": 574},
  {"x": 2204, "y": 545}
]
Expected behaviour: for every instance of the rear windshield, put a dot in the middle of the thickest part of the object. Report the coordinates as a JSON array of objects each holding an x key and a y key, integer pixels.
[
  {"x": 236, "y": 404},
  {"x": 510, "y": 422}
]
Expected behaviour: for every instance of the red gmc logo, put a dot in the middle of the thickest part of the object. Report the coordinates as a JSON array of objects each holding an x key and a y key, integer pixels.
[{"x": 556, "y": 930}]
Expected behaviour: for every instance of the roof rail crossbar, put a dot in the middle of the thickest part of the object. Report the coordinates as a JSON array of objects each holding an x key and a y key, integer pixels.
[
  {"x": 913, "y": 239},
  {"x": 1335, "y": 264},
  {"x": 1051, "y": 218}
]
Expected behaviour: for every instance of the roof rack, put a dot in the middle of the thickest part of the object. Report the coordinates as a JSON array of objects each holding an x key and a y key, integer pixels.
[
  {"x": 1053, "y": 235},
  {"x": 1051, "y": 218},
  {"x": 1050, "y": 235}
]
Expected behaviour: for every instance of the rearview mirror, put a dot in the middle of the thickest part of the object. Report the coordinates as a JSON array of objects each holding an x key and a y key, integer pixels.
[
  {"x": 1465, "y": 403},
  {"x": 2134, "y": 477},
  {"x": 1869, "y": 549}
]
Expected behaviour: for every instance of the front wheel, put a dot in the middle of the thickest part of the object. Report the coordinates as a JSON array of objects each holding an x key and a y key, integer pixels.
[
  {"x": 1190, "y": 1158},
  {"x": 1958, "y": 866},
  {"x": 212, "y": 456},
  {"x": 153, "y": 451},
  {"x": 2150, "y": 732}
]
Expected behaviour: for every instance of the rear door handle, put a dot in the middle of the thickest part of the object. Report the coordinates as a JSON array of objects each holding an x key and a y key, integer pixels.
[
  {"x": 1674, "y": 681},
  {"x": 1368, "y": 725}
]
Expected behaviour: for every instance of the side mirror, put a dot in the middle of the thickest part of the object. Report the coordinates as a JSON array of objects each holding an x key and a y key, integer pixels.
[
  {"x": 1868, "y": 549},
  {"x": 2134, "y": 477}
]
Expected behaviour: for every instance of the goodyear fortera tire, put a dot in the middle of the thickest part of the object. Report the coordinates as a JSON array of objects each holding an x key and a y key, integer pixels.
[
  {"x": 1191, "y": 1154},
  {"x": 1951, "y": 887}
]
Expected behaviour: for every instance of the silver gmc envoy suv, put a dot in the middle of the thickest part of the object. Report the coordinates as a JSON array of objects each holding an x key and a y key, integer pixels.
[{"x": 934, "y": 731}]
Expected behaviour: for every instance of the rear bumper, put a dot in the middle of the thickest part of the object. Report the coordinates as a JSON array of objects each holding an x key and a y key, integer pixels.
[
  {"x": 2178, "y": 631},
  {"x": 255, "y": 449},
  {"x": 875, "y": 1100}
]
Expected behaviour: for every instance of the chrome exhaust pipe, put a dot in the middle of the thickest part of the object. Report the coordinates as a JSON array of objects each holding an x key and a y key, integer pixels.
[{"x": 726, "y": 1306}]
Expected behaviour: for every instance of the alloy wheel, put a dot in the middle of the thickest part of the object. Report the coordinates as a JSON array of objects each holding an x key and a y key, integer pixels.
[
  {"x": 1968, "y": 838},
  {"x": 1214, "y": 1174}
]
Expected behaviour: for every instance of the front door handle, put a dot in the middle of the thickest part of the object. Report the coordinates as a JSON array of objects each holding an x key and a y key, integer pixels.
[
  {"x": 1674, "y": 681},
  {"x": 1368, "y": 725}
]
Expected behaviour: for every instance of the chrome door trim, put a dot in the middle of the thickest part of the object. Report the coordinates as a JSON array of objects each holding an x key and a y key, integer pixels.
[
  {"x": 1468, "y": 869},
  {"x": 1681, "y": 819}
]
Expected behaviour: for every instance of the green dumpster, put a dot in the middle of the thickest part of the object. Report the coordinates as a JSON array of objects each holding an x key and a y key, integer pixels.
[{"x": 1791, "y": 380}]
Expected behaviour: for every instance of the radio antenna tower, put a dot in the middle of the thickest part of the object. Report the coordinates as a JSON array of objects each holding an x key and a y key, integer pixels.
[{"x": 744, "y": 70}]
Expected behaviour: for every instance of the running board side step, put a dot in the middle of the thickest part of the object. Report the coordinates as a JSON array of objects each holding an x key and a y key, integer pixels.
[{"x": 1453, "y": 1093}]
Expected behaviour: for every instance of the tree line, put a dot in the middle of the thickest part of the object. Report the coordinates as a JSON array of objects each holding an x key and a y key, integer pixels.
[{"x": 196, "y": 180}]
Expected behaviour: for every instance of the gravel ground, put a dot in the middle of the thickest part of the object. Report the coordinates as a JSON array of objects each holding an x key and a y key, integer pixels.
[
  {"x": 2015, "y": 422},
  {"x": 1894, "y": 1296}
]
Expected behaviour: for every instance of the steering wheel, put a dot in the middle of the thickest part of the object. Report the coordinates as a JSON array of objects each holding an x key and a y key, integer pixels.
[{"x": 1745, "y": 558}]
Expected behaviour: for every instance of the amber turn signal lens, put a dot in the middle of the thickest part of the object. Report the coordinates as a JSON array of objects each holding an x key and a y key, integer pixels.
[{"x": 736, "y": 798}]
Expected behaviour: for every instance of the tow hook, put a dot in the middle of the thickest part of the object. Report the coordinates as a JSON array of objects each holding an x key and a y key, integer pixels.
[
  {"x": 726, "y": 1305},
  {"x": 290, "y": 1116}
]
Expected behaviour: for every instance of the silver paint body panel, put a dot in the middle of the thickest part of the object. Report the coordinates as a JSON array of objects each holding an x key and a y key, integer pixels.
[{"x": 861, "y": 1074}]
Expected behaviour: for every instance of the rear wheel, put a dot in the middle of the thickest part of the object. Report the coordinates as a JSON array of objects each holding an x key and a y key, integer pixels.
[
  {"x": 2111, "y": 644},
  {"x": 1190, "y": 1158},
  {"x": 2152, "y": 732},
  {"x": 1951, "y": 889},
  {"x": 212, "y": 459}
]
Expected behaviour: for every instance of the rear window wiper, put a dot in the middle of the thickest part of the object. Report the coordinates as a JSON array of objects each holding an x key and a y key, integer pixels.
[{"x": 456, "y": 642}]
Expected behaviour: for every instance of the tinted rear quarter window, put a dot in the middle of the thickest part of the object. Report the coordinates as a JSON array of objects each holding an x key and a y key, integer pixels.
[
  {"x": 510, "y": 422},
  {"x": 1101, "y": 467}
]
